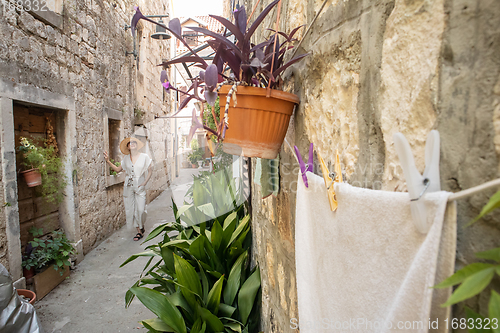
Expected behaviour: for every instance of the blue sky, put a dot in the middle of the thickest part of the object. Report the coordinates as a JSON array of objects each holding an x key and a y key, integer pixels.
[{"x": 197, "y": 7}]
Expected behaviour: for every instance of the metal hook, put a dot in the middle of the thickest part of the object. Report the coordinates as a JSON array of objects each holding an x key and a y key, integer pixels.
[
  {"x": 332, "y": 176},
  {"x": 427, "y": 182}
]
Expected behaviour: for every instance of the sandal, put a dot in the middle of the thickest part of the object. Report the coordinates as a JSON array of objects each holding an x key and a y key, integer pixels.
[{"x": 138, "y": 236}]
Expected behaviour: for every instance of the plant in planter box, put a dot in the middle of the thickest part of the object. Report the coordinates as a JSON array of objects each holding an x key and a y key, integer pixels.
[
  {"x": 44, "y": 159},
  {"x": 249, "y": 70},
  {"x": 54, "y": 249}
]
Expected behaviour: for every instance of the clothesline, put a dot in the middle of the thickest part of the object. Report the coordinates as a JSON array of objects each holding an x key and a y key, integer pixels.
[
  {"x": 474, "y": 190},
  {"x": 455, "y": 196}
]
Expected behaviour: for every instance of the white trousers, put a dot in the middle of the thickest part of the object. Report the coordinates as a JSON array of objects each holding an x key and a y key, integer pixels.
[{"x": 135, "y": 205}]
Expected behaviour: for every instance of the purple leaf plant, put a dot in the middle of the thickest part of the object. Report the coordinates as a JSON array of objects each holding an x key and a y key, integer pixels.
[{"x": 241, "y": 62}]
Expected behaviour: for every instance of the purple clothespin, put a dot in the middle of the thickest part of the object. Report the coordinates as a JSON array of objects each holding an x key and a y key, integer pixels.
[{"x": 303, "y": 167}]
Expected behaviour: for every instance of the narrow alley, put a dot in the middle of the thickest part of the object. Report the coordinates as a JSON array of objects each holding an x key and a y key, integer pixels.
[{"x": 92, "y": 299}]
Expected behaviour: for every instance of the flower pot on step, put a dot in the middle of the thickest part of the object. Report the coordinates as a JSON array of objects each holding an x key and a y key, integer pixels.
[
  {"x": 33, "y": 177},
  {"x": 258, "y": 124},
  {"x": 28, "y": 294},
  {"x": 49, "y": 279}
]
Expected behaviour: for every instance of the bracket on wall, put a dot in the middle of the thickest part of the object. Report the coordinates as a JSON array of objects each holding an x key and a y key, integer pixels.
[{"x": 160, "y": 34}]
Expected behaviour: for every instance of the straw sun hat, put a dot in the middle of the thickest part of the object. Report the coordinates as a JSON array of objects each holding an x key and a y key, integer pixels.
[{"x": 123, "y": 145}]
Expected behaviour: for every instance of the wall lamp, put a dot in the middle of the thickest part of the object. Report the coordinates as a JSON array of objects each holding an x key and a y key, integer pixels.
[{"x": 160, "y": 34}]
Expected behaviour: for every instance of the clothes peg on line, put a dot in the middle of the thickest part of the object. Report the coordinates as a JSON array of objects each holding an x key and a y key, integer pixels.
[
  {"x": 303, "y": 167},
  {"x": 419, "y": 184},
  {"x": 331, "y": 178}
]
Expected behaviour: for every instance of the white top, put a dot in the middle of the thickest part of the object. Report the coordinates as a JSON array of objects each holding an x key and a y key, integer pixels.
[{"x": 137, "y": 170}]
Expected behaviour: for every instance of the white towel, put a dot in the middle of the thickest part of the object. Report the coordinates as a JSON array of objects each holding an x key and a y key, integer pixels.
[{"x": 366, "y": 268}]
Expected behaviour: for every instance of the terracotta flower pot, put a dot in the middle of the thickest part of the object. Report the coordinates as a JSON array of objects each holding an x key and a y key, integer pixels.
[
  {"x": 28, "y": 294},
  {"x": 258, "y": 124},
  {"x": 33, "y": 177}
]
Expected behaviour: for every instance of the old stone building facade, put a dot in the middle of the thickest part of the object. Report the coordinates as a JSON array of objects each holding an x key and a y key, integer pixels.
[
  {"x": 69, "y": 62},
  {"x": 376, "y": 68}
]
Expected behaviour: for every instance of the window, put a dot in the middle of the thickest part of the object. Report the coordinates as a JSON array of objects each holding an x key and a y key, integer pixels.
[
  {"x": 114, "y": 139},
  {"x": 113, "y": 134}
]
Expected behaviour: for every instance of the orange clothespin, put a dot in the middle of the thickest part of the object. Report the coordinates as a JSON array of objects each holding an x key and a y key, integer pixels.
[{"x": 331, "y": 178}]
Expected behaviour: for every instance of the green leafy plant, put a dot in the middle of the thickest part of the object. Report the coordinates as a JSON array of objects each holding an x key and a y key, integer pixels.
[
  {"x": 54, "y": 249},
  {"x": 195, "y": 156},
  {"x": 111, "y": 171},
  {"x": 194, "y": 144},
  {"x": 208, "y": 117},
  {"x": 474, "y": 278},
  {"x": 44, "y": 158},
  {"x": 202, "y": 280}
]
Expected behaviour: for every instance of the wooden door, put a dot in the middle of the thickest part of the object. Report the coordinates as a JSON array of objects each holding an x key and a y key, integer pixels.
[{"x": 32, "y": 122}]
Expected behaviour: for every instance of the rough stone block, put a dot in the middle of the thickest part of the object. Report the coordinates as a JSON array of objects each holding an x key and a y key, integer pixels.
[
  {"x": 90, "y": 23},
  {"x": 85, "y": 35},
  {"x": 28, "y": 22},
  {"x": 54, "y": 67},
  {"x": 21, "y": 40},
  {"x": 50, "y": 51},
  {"x": 30, "y": 59},
  {"x": 78, "y": 66},
  {"x": 58, "y": 37},
  {"x": 83, "y": 51},
  {"x": 12, "y": 20},
  {"x": 71, "y": 61},
  {"x": 73, "y": 47},
  {"x": 51, "y": 35},
  {"x": 36, "y": 46},
  {"x": 65, "y": 41},
  {"x": 44, "y": 66},
  {"x": 63, "y": 72},
  {"x": 41, "y": 29},
  {"x": 4, "y": 51},
  {"x": 92, "y": 39},
  {"x": 61, "y": 55}
]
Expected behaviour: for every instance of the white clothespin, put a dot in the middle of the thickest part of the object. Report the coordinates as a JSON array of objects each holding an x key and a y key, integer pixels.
[{"x": 419, "y": 184}]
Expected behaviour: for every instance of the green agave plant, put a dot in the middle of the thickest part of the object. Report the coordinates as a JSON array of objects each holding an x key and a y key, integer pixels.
[
  {"x": 212, "y": 196},
  {"x": 202, "y": 281}
]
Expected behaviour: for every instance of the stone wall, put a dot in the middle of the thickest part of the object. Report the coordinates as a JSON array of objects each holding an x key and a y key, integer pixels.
[
  {"x": 376, "y": 68},
  {"x": 80, "y": 54},
  {"x": 4, "y": 259}
]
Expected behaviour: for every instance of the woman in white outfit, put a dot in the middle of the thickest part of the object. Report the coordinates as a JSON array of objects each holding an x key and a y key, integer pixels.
[{"x": 138, "y": 169}]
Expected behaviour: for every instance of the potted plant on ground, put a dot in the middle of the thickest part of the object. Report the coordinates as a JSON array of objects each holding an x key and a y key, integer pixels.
[
  {"x": 42, "y": 162},
  {"x": 201, "y": 279},
  {"x": 49, "y": 256},
  {"x": 257, "y": 124}
]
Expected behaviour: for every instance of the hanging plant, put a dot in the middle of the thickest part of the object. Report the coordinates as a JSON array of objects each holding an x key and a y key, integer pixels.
[
  {"x": 256, "y": 122},
  {"x": 43, "y": 159}
]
